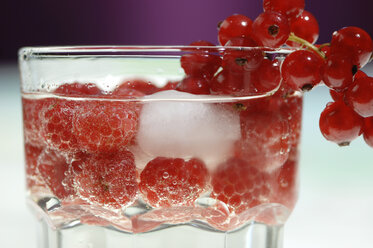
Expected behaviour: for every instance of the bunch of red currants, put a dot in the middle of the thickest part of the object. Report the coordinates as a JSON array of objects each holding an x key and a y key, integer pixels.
[{"x": 285, "y": 24}]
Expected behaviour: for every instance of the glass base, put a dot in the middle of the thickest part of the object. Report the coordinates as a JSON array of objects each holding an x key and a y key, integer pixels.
[{"x": 254, "y": 235}]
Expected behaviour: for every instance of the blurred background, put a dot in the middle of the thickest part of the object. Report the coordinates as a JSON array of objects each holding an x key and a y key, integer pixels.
[{"x": 336, "y": 193}]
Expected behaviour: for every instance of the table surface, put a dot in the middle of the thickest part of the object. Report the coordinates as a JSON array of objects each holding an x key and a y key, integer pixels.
[{"x": 336, "y": 191}]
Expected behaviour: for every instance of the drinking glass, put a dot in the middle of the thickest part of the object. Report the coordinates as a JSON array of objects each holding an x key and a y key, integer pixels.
[{"x": 119, "y": 154}]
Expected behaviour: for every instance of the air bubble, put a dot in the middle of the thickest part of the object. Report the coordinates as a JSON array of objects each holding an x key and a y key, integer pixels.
[{"x": 165, "y": 175}]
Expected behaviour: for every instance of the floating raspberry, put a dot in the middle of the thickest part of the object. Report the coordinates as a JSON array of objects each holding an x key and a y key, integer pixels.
[
  {"x": 103, "y": 126},
  {"x": 53, "y": 167},
  {"x": 32, "y": 154},
  {"x": 108, "y": 179},
  {"x": 265, "y": 139},
  {"x": 142, "y": 86},
  {"x": 57, "y": 128},
  {"x": 241, "y": 186},
  {"x": 167, "y": 182}
]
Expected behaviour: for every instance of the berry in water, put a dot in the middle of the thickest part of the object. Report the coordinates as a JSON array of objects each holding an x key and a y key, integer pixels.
[
  {"x": 305, "y": 27},
  {"x": 32, "y": 128},
  {"x": 271, "y": 29},
  {"x": 235, "y": 26},
  {"x": 194, "y": 85},
  {"x": 354, "y": 43},
  {"x": 200, "y": 63},
  {"x": 340, "y": 124},
  {"x": 78, "y": 89},
  {"x": 338, "y": 72},
  {"x": 360, "y": 96},
  {"x": 32, "y": 154},
  {"x": 105, "y": 126},
  {"x": 240, "y": 185},
  {"x": 301, "y": 70},
  {"x": 142, "y": 86},
  {"x": 108, "y": 179},
  {"x": 368, "y": 131},
  {"x": 167, "y": 182},
  {"x": 229, "y": 83},
  {"x": 267, "y": 76},
  {"x": 290, "y": 8}
]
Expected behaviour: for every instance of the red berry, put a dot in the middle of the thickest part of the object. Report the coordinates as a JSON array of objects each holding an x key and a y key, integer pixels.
[
  {"x": 360, "y": 74},
  {"x": 142, "y": 86},
  {"x": 108, "y": 179},
  {"x": 235, "y": 26},
  {"x": 241, "y": 60},
  {"x": 271, "y": 29},
  {"x": 32, "y": 154},
  {"x": 354, "y": 43},
  {"x": 267, "y": 76},
  {"x": 194, "y": 85},
  {"x": 301, "y": 70},
  {"x": 32, "y": 127},
  {"x": 78, "y": 89},
  {"x": 200, "y": 63},
  {"x": 103, "y": 126},
  {"x": 123, "y": 92},
  {"x": 338, "y": 72},
  {"x": 290, "y": 8},
  {"x": 368, "y": 131},
  {"x": 339, "y": 123},
  {"x": 325, "y": 50},
  {"x": 57, "y": 127},
  {"x": 169, "y": 182},
  {"x": 336, "y": 96},
  {"x": 265, "y": 139},
  {"x": 231, "y": 83},
  {"x": 241, "y": 186},
  {"x": 360, "y": 96},
  {"x": 53, "y": 167},
  {"x": 305, "y": 27},
  {"x": 170, "y": 86}
]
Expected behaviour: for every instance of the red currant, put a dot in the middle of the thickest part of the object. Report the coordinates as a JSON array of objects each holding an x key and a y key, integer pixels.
[
  {"x": 267, "y": 76},
  {"x": 336, "y": 96},
  {"x": 340, "y": 124},
  {"x": 290, "y": 8},
  {"x": 338, "y": 72},
  {"x": 301, "y": 70},
  {"x": 271, "y": 29},
  {"x": 368, "y": 131},
  {"x": 360, "y": 96},
  {"x": 200, "y": 63},
  {"x": 305, "y": 27},
  {"x": 354, "y": 43},
  {"x": 230, "y": 83},
  {"x": 194, "y": 85},
  {"x": 235, "y": 26},
  {"x": 360, "y": 74}
]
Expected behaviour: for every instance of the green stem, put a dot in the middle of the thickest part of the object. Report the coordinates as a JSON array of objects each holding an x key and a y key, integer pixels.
[{"x": 303, "y": 42}]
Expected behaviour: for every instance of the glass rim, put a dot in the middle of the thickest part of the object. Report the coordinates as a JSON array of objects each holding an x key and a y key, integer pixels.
[{"x": 118, "y": 50}]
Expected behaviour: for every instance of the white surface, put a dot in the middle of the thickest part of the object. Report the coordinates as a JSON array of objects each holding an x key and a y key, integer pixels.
[{"x": 336, "y": 194}]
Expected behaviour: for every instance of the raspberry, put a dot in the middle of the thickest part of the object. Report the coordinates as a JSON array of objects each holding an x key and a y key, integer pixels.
[
  {"x": 167, "y": 182},
  {"x": 53, "y": 167},
  {"x": 301, "y": 70},
  {"x": 103, "y": 126},
  {"x": 265, "y": 139},
  {"x": 368, "y": 131},
  {"x": 340, "y": 124},
  {"x": 57, "y": 128},
  {"x": 78, "y": 89},
  {"x": 32, "y": 154},
  {"x": 108, "y": 179},
  {"x": 32, "y": 127},
  {"x": 194, "y": 85},
  {"x": 235, "y": 26},
  {"x": 200, "y": 63},
  {"x": 240, "y": 185},
  {"x": 142, "y": 86},
  {"x": 359, "y": 96}
]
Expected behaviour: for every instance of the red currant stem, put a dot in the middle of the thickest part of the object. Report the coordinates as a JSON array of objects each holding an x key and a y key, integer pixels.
[
  {"x": 303, "y": 42},
  {"x": 323, "y": 45}
]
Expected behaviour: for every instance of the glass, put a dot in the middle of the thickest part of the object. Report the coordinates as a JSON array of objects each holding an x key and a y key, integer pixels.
[{"x": 144, "y": 165}]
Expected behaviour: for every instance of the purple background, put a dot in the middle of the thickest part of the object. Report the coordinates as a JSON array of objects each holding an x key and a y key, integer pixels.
[{"x": 159, "y": 22}]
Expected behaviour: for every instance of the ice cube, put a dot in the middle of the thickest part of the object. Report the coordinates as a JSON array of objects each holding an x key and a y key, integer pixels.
[{"x": 186, "y": 129}]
